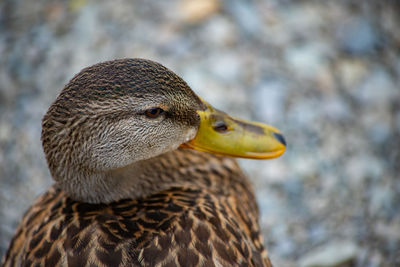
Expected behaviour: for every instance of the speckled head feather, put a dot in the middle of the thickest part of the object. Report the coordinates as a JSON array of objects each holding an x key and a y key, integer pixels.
[{"x": 97, "y": 125}]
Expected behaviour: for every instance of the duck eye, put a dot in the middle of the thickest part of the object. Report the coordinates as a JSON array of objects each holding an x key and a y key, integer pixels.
[{"x": 153, "y": 113}]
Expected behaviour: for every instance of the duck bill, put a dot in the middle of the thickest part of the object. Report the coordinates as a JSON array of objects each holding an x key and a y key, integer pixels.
[{"x": 222, "y": 134}]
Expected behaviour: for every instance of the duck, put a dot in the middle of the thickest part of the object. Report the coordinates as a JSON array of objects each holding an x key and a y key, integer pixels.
[{"x": 144, "y": 174}]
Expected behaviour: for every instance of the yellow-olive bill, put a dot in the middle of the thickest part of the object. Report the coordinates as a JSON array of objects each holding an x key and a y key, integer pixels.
[{"x": 222, "y": 134}]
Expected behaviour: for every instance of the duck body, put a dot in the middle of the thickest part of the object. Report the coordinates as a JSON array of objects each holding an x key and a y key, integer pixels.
[
  {"x": 210, "y": 222},
  {"x": 128, "y": 190}
]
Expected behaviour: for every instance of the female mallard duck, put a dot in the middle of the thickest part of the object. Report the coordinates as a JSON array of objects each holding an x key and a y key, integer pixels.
[{"x": 128, "y": 190}]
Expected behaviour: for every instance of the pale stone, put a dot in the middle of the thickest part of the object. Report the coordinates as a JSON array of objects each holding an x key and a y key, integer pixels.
[
  {"x": 194, "y": 11},
  {"x": 334, "y": 254}
]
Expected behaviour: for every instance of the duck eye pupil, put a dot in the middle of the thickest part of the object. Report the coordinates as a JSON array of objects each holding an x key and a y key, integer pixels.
[{"x": 153, "y": 112}]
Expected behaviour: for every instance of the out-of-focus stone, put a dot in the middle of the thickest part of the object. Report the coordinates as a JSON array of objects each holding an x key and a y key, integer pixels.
[
  {"x": 351, "y": 72},
  {"x": 75, "y": 5},
  {"x": 227, "y": 68},
  {"x": 378, "y": 89},
  {"x": 194, "y": 11},
  {"x": 246, "y": 16},
  {"x": 220, "y": 32},
  {"x": 9, "y": 90},
  {"x": 388, "y": 231},
  {"x": 358, "y": 37},
  {"x": 5, "y": 131},
  {"x": 361, "y": 167},
  {"x": 381, "y": 202},
  {"x": 269, "y": 100},
  {"x": 334, "y": 254},
  {"x": 307, "y": 60}
]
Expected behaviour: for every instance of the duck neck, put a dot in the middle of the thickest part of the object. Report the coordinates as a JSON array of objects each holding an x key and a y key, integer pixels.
[{"x": 179, "y": 168}]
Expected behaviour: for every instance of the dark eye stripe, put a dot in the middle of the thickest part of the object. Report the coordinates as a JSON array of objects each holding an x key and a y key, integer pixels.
[{"x": 153, "y": 113}]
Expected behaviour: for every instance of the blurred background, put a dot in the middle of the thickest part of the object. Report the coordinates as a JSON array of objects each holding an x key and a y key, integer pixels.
[{"x": 324, "y": 72}]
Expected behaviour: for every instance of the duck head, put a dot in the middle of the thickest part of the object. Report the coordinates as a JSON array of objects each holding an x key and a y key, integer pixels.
[{"x": 115, "y": 115}]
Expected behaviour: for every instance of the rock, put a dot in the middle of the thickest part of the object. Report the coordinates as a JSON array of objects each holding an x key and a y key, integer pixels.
[
  {"x": 351, "y": 72},
  {"x": 397, "y": 121},
  {"x": 269, "y": 100},
  {"x": 219, "y": 32},
  {"x": 246, "y": 16},
  {"x": 381, "y": 202},
  {"x": 307, "y": 60},
  {"x": 226, "y": 69},
  {"x": 358, "y": 37},
  {"x": 378, "y": 89},
  {"x": 334, "y": 254},
  {"x": 362, "y": 167},
  {"x": 336, "y": 109},
  {"x": 194, "y": 11}
]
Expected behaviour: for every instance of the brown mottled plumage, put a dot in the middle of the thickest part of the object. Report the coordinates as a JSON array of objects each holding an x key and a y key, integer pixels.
[{"x": 125, "y": 194}]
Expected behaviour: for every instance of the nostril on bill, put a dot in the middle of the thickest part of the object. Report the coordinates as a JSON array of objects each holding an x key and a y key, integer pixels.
[
  {"x": 220, "y": 126},
  {"x": 280, "y": 138}
]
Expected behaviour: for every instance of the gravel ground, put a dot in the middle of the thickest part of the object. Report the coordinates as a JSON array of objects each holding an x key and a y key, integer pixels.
[{"x": 324, "y": 72}]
